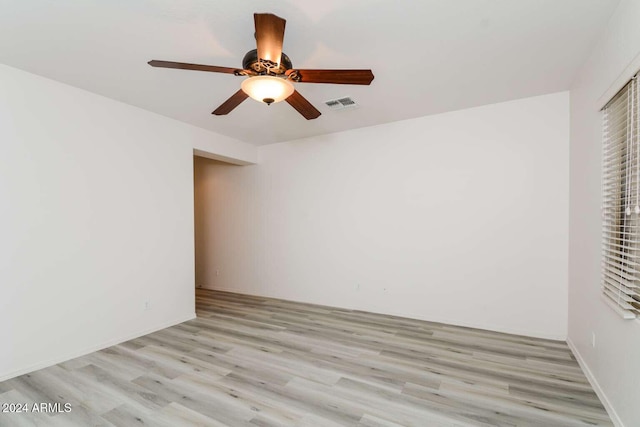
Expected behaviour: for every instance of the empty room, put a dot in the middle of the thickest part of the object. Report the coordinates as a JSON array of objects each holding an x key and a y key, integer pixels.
[{"x": 320, "y": 213}]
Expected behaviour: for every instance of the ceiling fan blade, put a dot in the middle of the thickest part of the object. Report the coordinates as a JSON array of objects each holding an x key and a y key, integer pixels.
[
  {"x": 196, "y": 67},
  {"x": 269, "y": 36},
  {"x": 303, "y": 106},
  {"x": 345, "y": 77},
  {"x": 231, "y": 103}
]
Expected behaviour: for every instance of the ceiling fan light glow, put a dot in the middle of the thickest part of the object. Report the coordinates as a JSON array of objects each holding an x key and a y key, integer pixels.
[{"x": 267, "y": 89}]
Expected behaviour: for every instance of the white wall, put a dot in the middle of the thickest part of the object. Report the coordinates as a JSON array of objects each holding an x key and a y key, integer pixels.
[
  {"x": 614, "y": 363},
  {"x": 96, "y": 217},
  {"x": 460, "y": 217}
]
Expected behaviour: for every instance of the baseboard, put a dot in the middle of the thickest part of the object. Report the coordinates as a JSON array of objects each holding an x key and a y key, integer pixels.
[
  {"x": 73, "y": 355},
  {"x": 595, "y": 385},
  {"x": 453, "y": 322}
]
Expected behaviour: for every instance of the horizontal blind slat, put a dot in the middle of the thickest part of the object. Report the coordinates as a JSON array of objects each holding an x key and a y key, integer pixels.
[{"x": 620, "y": 194}]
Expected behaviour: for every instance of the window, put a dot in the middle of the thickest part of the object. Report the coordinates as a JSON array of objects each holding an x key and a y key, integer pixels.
[{"x": 621, "y": 202}]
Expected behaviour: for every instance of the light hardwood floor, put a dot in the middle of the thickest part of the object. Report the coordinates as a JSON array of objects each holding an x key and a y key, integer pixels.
[{"x": 250, "y": 361}]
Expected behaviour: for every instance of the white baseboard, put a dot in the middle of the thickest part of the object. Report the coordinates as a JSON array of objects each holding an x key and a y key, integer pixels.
[
  {"x": 596, "y": 386},
  {"x": 73, "y": 355}
]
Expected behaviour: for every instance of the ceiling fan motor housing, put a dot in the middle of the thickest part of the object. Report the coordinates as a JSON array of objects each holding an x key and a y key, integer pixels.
[{"x": 264, "y": 67}]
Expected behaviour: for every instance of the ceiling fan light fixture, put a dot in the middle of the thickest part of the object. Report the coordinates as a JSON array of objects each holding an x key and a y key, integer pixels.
[{"x": 267, "y": 89}]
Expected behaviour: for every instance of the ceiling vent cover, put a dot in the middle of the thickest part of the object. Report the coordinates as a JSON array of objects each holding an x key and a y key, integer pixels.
[{"x": 341, "y": 103}]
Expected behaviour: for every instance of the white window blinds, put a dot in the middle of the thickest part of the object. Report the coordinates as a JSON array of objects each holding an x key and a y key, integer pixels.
[{"x": 621, "y": 202}]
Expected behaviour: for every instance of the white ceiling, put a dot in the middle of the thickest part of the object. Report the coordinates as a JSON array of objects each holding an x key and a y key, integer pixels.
[{"x": 428, "y": 56}]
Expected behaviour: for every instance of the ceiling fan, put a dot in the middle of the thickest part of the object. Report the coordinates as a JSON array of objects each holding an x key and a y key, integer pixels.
[{"x": 270, "y": 73}]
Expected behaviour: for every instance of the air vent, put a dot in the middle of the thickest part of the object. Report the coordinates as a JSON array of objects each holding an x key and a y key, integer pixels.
[{"x": 341, "y": 103}]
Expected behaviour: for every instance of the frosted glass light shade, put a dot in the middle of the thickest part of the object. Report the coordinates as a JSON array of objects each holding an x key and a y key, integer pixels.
[{"x": 267, "y": 89}]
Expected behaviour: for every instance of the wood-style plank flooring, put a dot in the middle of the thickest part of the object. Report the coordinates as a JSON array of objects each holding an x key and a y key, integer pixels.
[{"x": 250, "y": 361}]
